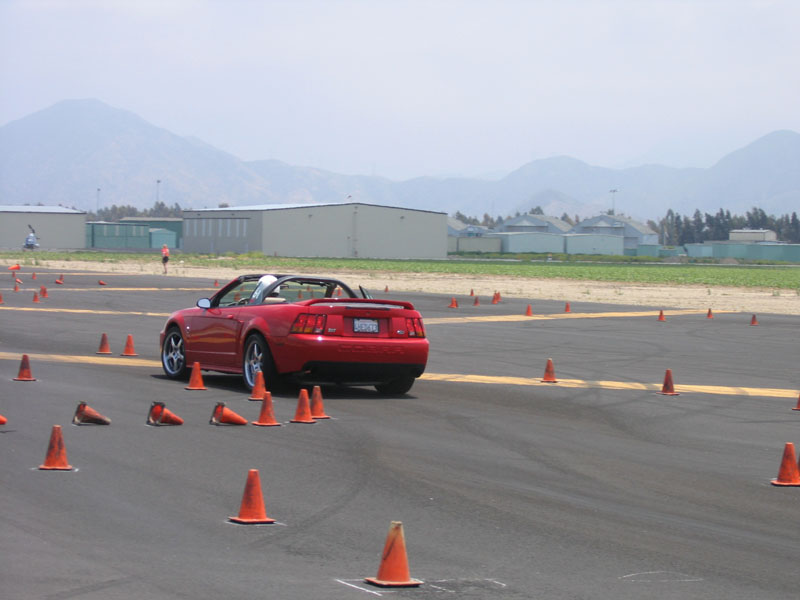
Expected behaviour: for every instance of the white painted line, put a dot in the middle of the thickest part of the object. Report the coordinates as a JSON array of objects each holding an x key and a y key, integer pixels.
[{"x": 358, "y": 587}]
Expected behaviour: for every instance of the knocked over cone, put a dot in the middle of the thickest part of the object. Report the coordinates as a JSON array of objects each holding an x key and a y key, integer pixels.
[
  {"x": 160, "y": 415},
  {"x": 223, "y": 415},
  {"x": 85, "y": 415}
]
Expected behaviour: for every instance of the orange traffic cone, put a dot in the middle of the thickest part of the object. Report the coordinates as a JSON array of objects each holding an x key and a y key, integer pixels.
[
  {"x": 33, "y": 276},
  {"x": 216, "y": 283},
  {"x": 789, "y": 473},
  {"x": 710, "y": 315},
  {"x": 160, "y": 415},
  {"x": 24, "y": 370},
  {"x": 317, "y": 407},
  {"x": 16, "y": 287},
  {"x": 549, "y": 373},
  {"x": 567, "y": 308},
  {"x": 60, "y": 280},
  {"x": 18, "y": 280},
  {"x": 754, "y": 321},
  {"x": 14, "y": 267},
  {"x": 338, "y": 292},
  {"x": 196, "y": 379},
  {"x": 104, "y": 347},
  {"x": 303, "y": 412},
  {"x": 101, "y": 282},
  {"x": 495, "y": 298},
  {"x": 1, "y": 298},
  {"x": 471, "y": 292},
  {"x": 299, "y": 294},
  {"x": 36, "y": 297},
  {"x": 259, "y": 388},
  {"x": 476, "y": 302},
  {"x": 798, "y": 404},
  {"x": 529, "y": 311},
  {"x": 453, "y": 303},
  {"x": 85, "y": 415},
  {"x": 223, "y": 415},
  {"x": 661, "y": 316},
  {"x": 668, "y": 389},
  {"x": 393, "y": 570},
  {"x": 386, "y": 290},
  {"x": 43, "y": 292},
  {"x": 56, "y": 459},
  {"x": 267, "y": 416},
  {"x": 251, "y": 510},
  {"x": 3, "y": 420},
  {"x": 129, "y": 351}
]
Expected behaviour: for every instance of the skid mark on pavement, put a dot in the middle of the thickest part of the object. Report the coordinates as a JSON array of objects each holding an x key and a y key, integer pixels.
[
  {"x": 571, "y": 315},
  {"x": 458, "y": 378}
]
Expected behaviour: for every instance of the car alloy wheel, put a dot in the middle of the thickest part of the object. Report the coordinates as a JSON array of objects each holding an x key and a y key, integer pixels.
[
  {"x": 257, "y": 358},
  {"x": 173, "y": 356}
]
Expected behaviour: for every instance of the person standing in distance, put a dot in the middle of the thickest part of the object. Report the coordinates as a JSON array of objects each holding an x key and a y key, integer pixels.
[{"x": 164, "y": 257}]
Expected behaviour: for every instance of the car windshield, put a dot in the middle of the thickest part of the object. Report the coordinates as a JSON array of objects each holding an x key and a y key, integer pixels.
[{"x": 238, "y": 295}]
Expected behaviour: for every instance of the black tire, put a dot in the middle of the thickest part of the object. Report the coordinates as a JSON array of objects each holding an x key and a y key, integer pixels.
[
  {"x": 173, "y": 355},
  {"x": 396, "y": 387},
  {"x": 256, "y": 357}
]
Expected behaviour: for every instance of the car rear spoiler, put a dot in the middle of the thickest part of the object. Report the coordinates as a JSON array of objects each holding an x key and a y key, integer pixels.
[{"x": 402, "y": 303}]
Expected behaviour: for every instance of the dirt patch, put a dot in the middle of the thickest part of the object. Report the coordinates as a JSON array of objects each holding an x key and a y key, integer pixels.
[{"x": 746, "y": 300}]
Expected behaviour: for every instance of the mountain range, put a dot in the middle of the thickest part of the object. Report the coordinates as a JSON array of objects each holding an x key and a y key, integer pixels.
[{"x": 65, "y": 153}]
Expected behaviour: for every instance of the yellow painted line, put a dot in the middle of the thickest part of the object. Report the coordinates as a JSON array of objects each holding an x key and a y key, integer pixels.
[
  {"x": 611, "y": 385},
  {"x": 455, "y": 378},
  {"x": 554, "y": 316},
  {"x": 130, "y": 361},
  {"x": 84, "y": 311}
]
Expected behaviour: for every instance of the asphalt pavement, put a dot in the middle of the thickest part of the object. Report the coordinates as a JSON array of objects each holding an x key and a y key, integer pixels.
[{"x": 594, "y": 487}]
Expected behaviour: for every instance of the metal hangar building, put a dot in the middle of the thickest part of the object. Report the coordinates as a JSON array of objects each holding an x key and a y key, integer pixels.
[{"x": 347, "y": 230}]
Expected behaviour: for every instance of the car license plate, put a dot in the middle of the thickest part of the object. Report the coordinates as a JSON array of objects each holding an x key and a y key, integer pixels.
[{"x": 365, "y": 325}]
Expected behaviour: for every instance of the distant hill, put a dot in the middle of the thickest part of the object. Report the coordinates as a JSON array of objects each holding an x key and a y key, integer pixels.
[{"x": 62, "y": 154}]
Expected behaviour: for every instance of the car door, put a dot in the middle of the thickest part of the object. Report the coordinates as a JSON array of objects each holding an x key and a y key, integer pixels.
[{"x": 214, "y": 332}]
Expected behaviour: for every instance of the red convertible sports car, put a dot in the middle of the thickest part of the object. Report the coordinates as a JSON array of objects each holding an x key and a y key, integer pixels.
[{"x": 314, "y": 330}]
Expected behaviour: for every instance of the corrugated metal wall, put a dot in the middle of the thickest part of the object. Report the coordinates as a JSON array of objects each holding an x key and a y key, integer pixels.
[{"x": 117, "y": 235}]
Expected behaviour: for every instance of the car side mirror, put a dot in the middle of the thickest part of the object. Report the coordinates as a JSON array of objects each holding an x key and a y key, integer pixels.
[{"x": 204, "y": 303}]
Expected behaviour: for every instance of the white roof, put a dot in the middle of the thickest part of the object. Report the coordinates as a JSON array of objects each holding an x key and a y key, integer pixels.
[{"x": 24, "y": 208}]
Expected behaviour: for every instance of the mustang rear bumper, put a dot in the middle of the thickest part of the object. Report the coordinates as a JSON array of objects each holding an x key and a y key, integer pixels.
[
  {"x": 355, "y": 373},
  {"x": 364, "y": 361}
]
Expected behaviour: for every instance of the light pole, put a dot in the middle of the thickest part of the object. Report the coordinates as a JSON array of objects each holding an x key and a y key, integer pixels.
[
  {"x": 97, "y": 204},
  {"x": 613, "y": 197},
  {"x": 158, "y": 185}
]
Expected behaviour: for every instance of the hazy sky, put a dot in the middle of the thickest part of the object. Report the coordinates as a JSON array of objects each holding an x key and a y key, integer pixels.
[{"x": 405, "y": 88}]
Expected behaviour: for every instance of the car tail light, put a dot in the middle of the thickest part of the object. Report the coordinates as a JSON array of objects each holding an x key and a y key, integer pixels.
[
  {"x": 414, "y": 327},
  {"x": 306, "y": 323}
]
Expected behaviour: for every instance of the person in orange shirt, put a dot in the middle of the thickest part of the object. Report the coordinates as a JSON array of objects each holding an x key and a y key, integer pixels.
[{"x": 164, "y": 257}]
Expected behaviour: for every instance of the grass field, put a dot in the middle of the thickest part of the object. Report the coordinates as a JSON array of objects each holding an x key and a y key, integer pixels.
[{"x": 776, "y": 277}]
